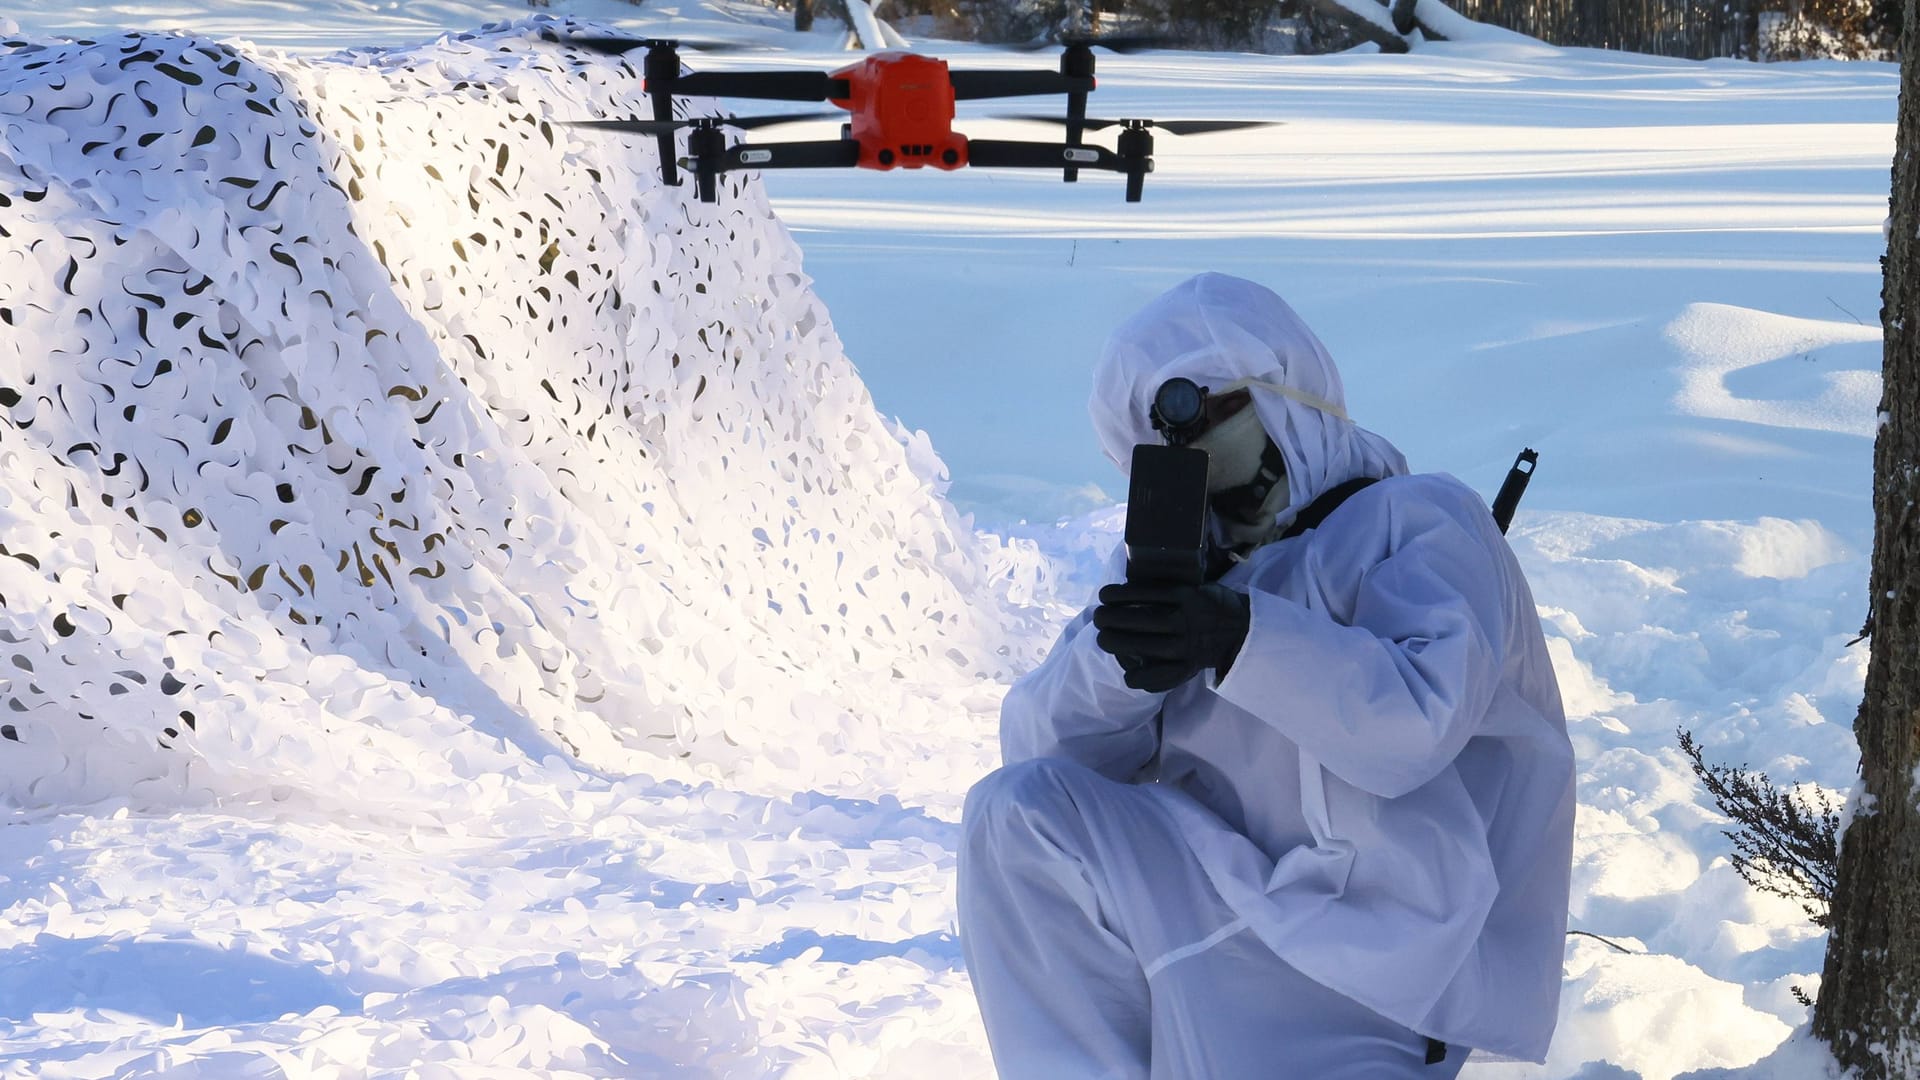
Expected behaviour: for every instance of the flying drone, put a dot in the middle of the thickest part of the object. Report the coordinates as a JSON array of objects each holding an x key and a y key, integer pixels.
[{"x": 901, "y": 107}]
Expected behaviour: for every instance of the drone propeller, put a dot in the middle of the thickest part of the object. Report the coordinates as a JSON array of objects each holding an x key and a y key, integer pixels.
[
  {"x": 665, "y": 79},
  {"x": 666, "y": 127},
  {"x": 1077, "y": 63},
  {"x": 1134, "y": 149},
  {"x": 616, "y": 46},
  {"x": 1171, "y": 127},
  {"x": 1120, "y": 43}
]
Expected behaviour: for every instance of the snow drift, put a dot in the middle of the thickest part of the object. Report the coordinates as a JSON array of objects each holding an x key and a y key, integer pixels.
[{"x": 367, "y": 430}]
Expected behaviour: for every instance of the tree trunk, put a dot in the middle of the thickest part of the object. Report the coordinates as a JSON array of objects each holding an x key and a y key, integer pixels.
[
  {"x": 1870, "y": 991},
  {"x": 1356, "y": 17}
]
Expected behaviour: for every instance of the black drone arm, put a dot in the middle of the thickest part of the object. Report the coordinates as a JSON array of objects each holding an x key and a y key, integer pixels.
[
  {"x": 823, "y": 154},
  {"x": 974, "y": 85},
  {"x": 1007, "y": 154},
  {"x": 761, "y": 85},
  {"x": 1135, "y": 159}
]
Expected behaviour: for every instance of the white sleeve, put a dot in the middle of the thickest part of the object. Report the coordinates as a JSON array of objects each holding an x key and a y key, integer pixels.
[
  {"x": 1387, "y": 699},
  {"x": 1077, "y": 705}
]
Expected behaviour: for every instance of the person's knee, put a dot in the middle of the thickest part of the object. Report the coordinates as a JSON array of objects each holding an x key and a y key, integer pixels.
[
  {"x": 1037, "y": 784},
  {"x": 1018, "y": 796}
]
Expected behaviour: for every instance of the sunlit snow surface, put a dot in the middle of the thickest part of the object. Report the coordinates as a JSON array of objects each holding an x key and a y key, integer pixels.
[{"x": 1657, "y": 273}]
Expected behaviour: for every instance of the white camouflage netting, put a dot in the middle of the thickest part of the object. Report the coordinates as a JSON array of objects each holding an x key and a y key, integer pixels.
[
  {"x": 520, "y": 643},
  {"x": 368, "y": 432}
]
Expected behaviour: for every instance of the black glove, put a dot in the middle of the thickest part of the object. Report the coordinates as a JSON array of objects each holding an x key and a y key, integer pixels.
[{"x": 1164, "y": 635}]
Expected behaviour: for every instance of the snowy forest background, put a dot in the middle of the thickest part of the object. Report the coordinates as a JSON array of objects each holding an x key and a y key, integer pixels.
[{"x": 1695, "y": 29}]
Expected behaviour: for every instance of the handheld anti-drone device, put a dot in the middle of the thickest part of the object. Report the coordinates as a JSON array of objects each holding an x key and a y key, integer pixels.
[
  {"x": 1166, "y": 529},
  {"x": 1166, "y": 532}
]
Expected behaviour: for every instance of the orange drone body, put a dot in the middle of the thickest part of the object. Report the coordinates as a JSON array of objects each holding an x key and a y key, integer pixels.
[{"x": 902, "y": 112}]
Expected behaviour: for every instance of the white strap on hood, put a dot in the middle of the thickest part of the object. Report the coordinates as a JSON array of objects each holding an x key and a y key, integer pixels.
[{"x": 1312, "y": 401}]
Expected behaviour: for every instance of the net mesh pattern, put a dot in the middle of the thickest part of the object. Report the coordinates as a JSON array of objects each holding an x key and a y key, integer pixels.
[{"x": 365, "y": 429}]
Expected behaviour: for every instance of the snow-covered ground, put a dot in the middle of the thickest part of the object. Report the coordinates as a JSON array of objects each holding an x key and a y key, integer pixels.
[{"x": 1662, "y": 275}]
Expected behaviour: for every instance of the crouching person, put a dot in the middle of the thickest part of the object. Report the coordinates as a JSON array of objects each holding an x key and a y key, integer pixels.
[{"x": 1309, "y": 820}]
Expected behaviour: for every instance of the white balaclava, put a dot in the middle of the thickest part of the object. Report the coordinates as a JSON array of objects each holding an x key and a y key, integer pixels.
[
  {"x": 1220, "y": 331},
  {"x": 1246, "y": 476}
]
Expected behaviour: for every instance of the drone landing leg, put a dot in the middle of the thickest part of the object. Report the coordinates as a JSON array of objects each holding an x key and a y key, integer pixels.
[
  {"x": 1135, "y": 148},
  {"x": 707, "y": 147},
  {"x": 1076, "y": 121},
  {"x": 660, "y": 69},
  {"x": 1076, "y": 62}
]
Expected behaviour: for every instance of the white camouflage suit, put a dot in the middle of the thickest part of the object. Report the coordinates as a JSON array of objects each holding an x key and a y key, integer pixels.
[{"x": 1358, "y": 839}]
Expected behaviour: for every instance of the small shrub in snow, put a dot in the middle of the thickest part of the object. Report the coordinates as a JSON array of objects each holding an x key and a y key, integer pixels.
[{"x": 1785, "y": 841}]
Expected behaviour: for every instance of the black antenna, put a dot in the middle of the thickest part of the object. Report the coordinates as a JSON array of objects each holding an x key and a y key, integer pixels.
[{"x": 1508, "y": 500}]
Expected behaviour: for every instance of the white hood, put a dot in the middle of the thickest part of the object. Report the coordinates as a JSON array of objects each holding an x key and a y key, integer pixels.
[{"x": 1215, "y": 329}]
